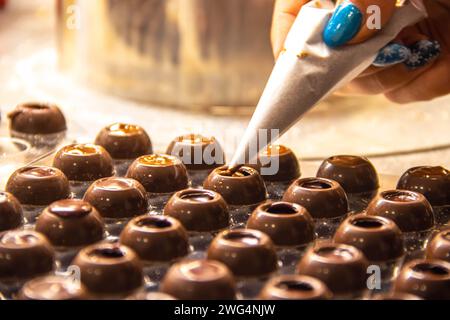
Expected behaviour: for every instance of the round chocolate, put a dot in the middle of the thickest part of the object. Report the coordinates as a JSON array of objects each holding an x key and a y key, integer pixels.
[
  {"x": 295, "y": 287},
  {"x": 52, "y": 288},
  {"x": 38, "y": 185},
  {"x": 287, "y": 224},
  {"x": 439, "y": 246},
  {"x": 432, "y": 182},
  {"x": 341, "y": 267},
  {"x": 396, "y": 296},
  {"x": 428, "y": 279},
  {"x": 37, "y": 118},
  {"x": 11, "y": 215},
  {"x": 24, "y": 254},
  {"x": 246, "y": 252},
  {"x": 70, "y": 223},
  {"x": 409, "y": 210},
  {"x": 109, "y": 269},
  {"x": 377, "y": 237},
  {"x": 159, "y": 173},
  {"x": 322, "y": 198},
  {"x": 242, "y": 187},
  {"x": 288, "y": 168},
  {"x": 117, "y": 198},
  {"x": 355, "y": 174},
  {"x": 124, "y": 141},
  {"x": 199, "y": 210},
  {"x": 199, "y": 280},
  {"x": 84, "y": 162},
  {"x": 156, "y": 238},
  {"x": 197, "y": 152}
]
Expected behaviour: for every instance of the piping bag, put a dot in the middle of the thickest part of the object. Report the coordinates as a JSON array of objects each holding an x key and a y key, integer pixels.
[{"x": 308, "y": 70}]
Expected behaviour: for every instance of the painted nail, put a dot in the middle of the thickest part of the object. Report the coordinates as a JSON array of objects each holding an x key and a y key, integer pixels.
[
  {"x": 422, "y": 53},
  {"x": 343, "y": 25},
  {"x": 391, "y": 54}
]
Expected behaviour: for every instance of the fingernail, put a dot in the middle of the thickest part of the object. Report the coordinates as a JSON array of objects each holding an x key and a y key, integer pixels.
[
  {"x": 343, "y": 25},
  {"x": 422, "y": 53},
  {"x": 391, "y": 54}
]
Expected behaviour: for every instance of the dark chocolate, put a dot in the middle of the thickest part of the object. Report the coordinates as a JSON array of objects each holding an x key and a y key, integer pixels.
[
  {"x": 53, "y": 288},
  {"x": 11, "y": 215},
  {"x": 37, "y": 118},
  {"x": 439, "y": 246},
  {"x": 295, "y": 287}
]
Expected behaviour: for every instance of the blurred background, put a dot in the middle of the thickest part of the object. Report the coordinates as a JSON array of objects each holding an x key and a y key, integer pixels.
[{"x": 181, "y": 66}]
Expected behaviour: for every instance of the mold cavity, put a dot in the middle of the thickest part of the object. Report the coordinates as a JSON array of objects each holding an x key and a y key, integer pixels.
[
  {"x": 197, "y": 196},
  {"x": 295, "y": 286},
  {"x": 335, "y": 252},
  {"x": 315, "y": 184},
  {"x": 347, "y": 160},
  {"x": 431, "y": 268},
  {"x": 154, "y": 222},
  {"x": 202, "y": 269},
  {"x": 446, "y": 235},
  {"x": 39, "y": 172},
  {"x": 241, "y": 172},
  {"x": 243, "y": 237},
  {"x": 110, "y": 253},
  {"x": 367, "y": 223},
  {"x": 18, "y": 238},
  {"x": 157, "y": 160},
  {"x": 400, "y": 196},
  {"x": 36, "y": 106},
  {"x": 281, "y": 208}
]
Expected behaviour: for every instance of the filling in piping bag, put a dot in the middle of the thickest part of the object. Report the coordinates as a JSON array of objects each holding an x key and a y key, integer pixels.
[{"x": 308, "y": 70}]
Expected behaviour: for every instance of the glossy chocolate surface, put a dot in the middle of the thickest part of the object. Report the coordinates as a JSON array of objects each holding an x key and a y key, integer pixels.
[
  {"x": 53, "y": 288},
  {"x": 117, "y": 198},
  {"x": 124, "y": 141},
  {"x": 323, "y": 198},
  {"x": 199, "y": 280},
  {"x": 156, "y": 238},
  {"x": 199, "y": 210},
  {"x": 432, "y": 182},
  {"x": 396, "y": 296},
  {"x": 84, "y": 162},
  {"x": 143, "y": 295},
  {"x": 70, "y": 223},
  {"x": 159, "y": 173},
  {"x": 287, "y": 224},
  {"x": 295, "y": 287},
  {"x": 243, "y": 187},
  {"x": 428, "y": 279},
  {"x": 37, "y": 118},
  {"x": 246, "y": 252},
  {"x": 197, "y": 152},
  {"x": 439, "y": 246},
  {"x": 11, "y": 215},
  {"x": 109, "y": 269},
  {"x": 378, "y": 238},
  {"x": 342, "y": 268},
  {"x": 288, "y": 165},
  {"x": 409, "y": 210},
  {"x": 38, "y": 185},
  {"x": 24, "y": 254},
  {"x": 354, "y": 174}
]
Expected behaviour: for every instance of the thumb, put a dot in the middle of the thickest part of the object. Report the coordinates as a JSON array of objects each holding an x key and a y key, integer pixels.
[{"x": 355, "y": 21}]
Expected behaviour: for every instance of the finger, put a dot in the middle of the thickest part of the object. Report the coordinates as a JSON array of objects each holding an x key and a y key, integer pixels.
[
  {"x": 355, "y": 21},
  {"x": 284, "y": 16}
]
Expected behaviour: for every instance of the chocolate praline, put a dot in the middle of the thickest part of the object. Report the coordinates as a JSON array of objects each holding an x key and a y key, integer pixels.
[
  {"x": 432, "y": 182},
  {"x": 37, "y": 118},
  {"x": 70, "y": 223},
  {"x": 377, "y": 237},
  {"x": 117, "y": 198},
  {"x": 280, "y": 157},
  {"x": 24, "y": 254},
  {"x": 84, "y": 162},
  {"x": 428, "y": 279},
  {"x": 439, "y": 246},
  {"x": 199, "y": 280},
  {"x": 246, "y": 252},
  {"x": 197, "y": 152},
  {"x": 354, "y": 174},
  {"x": 159, "y": 173},
  {"x": 341, "y": 267},
  {"x": 323, "y": 198},
  {"x": 409, "y": 210},
  {"x": 242, "y": 187},
  {"x": 52, "y": 288},
  {"x": 124, "y": 141},
  {"x": 199, "y": 210},
  {"x": 109, "y": 270},
  {"x": 38, "y": 185},
  {"x": 156, "y": 238},
  {"x": 11, "y": 215},
  {"x": 295, "y": 287},
  {"x": 287, "y": 224}
]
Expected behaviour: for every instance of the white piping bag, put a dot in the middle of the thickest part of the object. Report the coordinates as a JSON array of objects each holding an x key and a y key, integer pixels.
[{"x": 308, "y": 70}]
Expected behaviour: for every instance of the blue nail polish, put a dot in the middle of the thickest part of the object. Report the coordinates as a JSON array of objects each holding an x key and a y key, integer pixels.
[
  {"x": 391, "y": 54},
  {"x": 343, "y": 25},
  {"x": 422, "y": 53}
]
